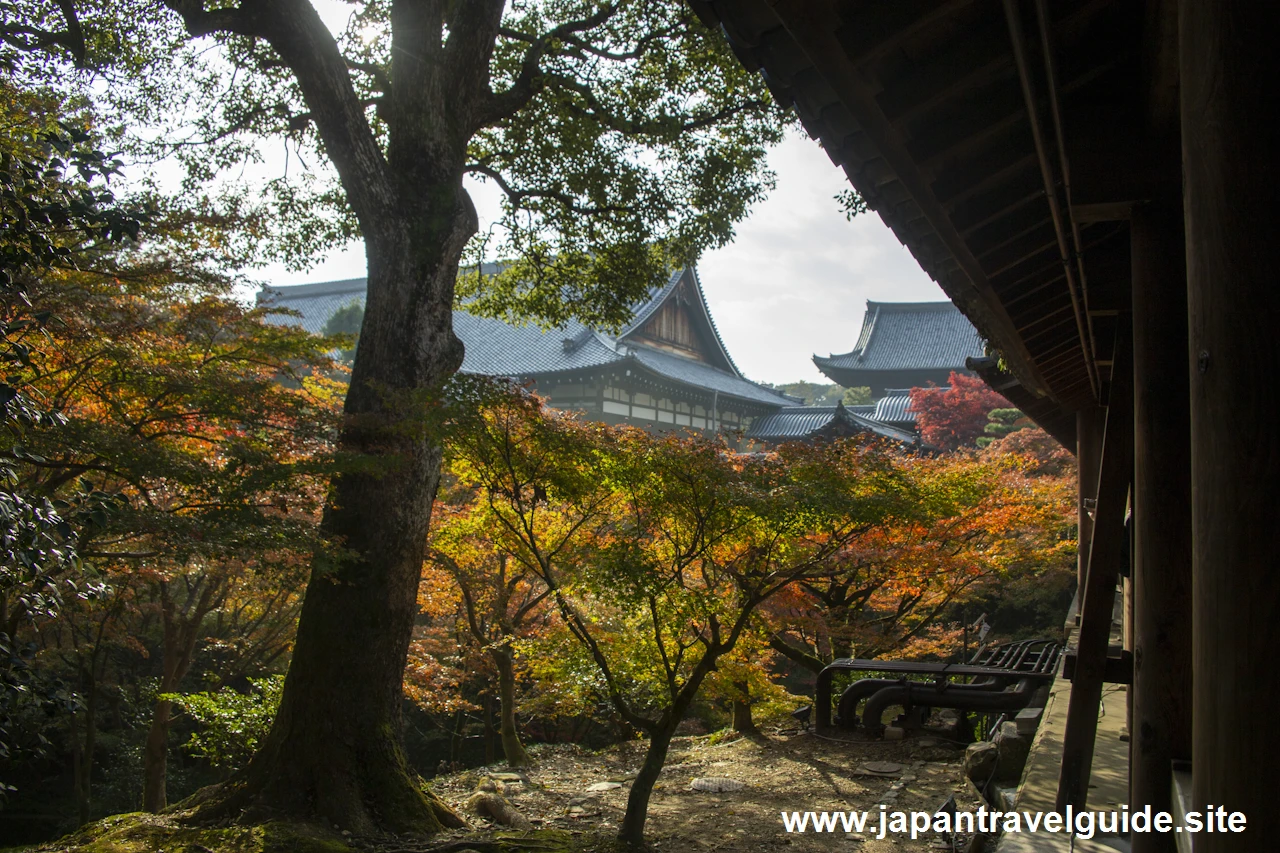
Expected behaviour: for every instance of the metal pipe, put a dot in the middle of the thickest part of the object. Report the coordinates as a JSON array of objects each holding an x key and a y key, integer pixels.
[
  {"x": 1014, "y": 20},
  {"x": 944, "y": 696},
  {"x": 847, "y": 710}
]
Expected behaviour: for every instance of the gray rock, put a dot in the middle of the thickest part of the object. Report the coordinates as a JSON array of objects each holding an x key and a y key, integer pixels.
[
  {"x": 1013, "y": 749},
  {"x": 980, "y": 761},
  {"x": 716, "y": 784},
  {"x": 882, "y": 767}
]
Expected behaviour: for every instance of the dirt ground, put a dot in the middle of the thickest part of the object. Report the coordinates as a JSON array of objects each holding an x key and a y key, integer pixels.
[{"x": 780, "y": 771}]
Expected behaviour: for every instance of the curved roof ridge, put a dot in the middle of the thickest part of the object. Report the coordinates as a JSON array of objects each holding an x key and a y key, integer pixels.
[
  {"x": 715, "y": 330},
  {"x": 868, "y": 329},
  {"x": 929, "y": 305},
  {"x": 704, "y": 375}
]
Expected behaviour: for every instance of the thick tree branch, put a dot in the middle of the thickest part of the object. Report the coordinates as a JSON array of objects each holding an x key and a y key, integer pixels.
[
  {"x": 304, "y": 43},
  {"x": 517, "y": 197},
  {"x": 642, "y": 44},
  {"x": 595, "y": 109},
  {"x": 200, "y": 21},
  {"x": 808, "y": 661},
  {"x": 30, "y": 39},
  {"x": 473, "y": 33},
  {"x": 381, "y": 81},
  {"x": 530, "y": 80}
]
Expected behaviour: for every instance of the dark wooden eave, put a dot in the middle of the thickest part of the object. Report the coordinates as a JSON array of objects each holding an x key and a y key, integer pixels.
[{"x": 960, "y": 122}]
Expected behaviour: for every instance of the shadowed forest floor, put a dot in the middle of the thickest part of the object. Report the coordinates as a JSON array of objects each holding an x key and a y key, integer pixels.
[
  {"x": 575, "y": 800},
  {"x": 585, "y": 793}
]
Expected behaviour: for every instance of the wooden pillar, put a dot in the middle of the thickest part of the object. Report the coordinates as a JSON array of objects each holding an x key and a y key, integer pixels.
[
  {"x": 1160, "y": 730},
  {"x": 1089, "y": 424},
  {"x": 1228, "y": 67},
  {"x": 1097, "y": 599}
]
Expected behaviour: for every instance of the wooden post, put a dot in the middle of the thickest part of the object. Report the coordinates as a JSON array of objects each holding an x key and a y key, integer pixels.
[
  {"x": 1097, "y": 603},
  {"x": 1232, "y": 182},
  {"x": 1089, "y": 425},
  {"x": 1161, "y": 691}
]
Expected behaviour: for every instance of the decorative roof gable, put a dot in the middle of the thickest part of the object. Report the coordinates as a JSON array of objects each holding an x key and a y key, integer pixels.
[{"x": 676, "y": 319}]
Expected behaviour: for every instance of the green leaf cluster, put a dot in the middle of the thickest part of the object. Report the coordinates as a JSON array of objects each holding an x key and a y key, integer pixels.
[{"x": 232, "y": 723}]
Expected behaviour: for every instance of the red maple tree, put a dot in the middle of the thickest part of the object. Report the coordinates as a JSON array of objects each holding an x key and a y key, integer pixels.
[{"x": 954, "y": 417}]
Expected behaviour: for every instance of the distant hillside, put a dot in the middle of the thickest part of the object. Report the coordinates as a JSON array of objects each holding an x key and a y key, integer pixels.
[{"x": 817, "y": 394}]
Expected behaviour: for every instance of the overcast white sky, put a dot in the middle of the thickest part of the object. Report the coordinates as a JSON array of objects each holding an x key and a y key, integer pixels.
[{"x": 794, "y": 282}]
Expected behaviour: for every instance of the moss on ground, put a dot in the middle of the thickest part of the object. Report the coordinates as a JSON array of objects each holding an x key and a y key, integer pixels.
[{"x": 148, "y": 833}]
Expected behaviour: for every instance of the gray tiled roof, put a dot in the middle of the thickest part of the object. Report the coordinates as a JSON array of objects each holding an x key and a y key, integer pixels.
[
  {"x": 315, "y": 302},
  {"x": 792, "y": 422},
  {"x": 882, "y": 429},
  {"x": 702, "y": 375},
  {"x": 910, "y": 336},
  {"x": 801, "y": 421},
  {"x": 497, "y": 348},
  {"x": 893, "y": 407}
]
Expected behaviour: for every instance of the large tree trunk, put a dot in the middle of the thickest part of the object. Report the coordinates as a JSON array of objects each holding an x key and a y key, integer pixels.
[
  {"x": 742, "y": 721},
  {"x": 632, "y": 829},
  {"x": 155, "y": 759},
  {"x": 334, "y": 751},
  {"x": 512, "y": 749}
]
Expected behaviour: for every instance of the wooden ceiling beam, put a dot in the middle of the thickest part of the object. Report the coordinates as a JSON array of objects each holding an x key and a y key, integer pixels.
[
  {"x": 1024, "y": 293},
  {"x": 1045, "y": 268},
  {"x": 895, "y": 23},
  {"x": 994, "y": 119},
  {"x": 952, "y": 193},
  {"x": 1000, "y": 216},
  {"x": 967, "y": 64},
  {"x": 1018, "y": 253},
  {"x": 986, "y": 121}
]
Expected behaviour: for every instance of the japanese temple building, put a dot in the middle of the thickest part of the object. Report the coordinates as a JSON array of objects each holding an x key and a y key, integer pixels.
[
  {"x": 667, "y": 369},
  {"x": 905, "y": 345},
  {"x": 1093, "y": 183},
  {"x": 806, "y": 423}
]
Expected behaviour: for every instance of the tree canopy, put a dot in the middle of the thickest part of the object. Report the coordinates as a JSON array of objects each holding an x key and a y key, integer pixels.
[
  {"x": 625, "y": 141},
  {"x": 957, "y": 415}
]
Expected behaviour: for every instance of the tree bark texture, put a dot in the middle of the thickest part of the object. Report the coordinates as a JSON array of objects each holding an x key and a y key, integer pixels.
[
  {"x": 512, "y": 749},
  {"x": 742, "y": 722},
  {"x": 334, "y": 751},
  {"x": 155, "y": 758},
  {"x": 632, "y": 829}
]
